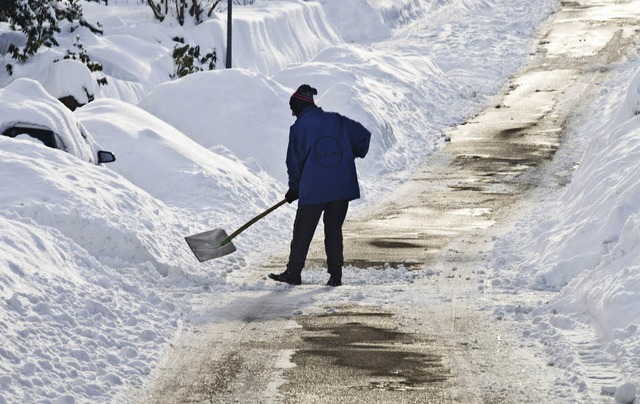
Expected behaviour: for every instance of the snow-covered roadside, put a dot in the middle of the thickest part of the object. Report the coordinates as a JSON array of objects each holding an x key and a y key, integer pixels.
[
  {"x": 89, "y": 315},
  {"x": 582, "y": 241}
]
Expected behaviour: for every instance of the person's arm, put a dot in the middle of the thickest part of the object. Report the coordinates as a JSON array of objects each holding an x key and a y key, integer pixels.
[
  {"x": 294, "y": 168},
  {"x": 359, "y": 136}
]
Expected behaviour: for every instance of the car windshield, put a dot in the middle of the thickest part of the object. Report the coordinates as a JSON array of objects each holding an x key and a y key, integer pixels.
[{"x": 45, "y": 136}]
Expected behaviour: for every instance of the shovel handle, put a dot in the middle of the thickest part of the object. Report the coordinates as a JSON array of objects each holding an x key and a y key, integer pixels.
[{"x": 252, "y": 221}]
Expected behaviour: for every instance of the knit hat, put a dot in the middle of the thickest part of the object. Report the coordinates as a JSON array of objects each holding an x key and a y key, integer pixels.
[
  {"x": 305, "y": 93},
  {"x": 302, "y": 98}
]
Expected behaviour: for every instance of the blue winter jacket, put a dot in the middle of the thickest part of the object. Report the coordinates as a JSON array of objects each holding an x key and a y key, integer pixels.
[{"x": 321, "y": 153}]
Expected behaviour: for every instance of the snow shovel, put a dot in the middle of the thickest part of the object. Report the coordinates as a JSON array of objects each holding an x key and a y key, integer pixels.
[{"x": 215, "y": 243}]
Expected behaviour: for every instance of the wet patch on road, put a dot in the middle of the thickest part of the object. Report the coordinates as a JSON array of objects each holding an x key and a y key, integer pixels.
[
  {"x": 515, "y": 132},
  {"x": 491, "y": 168},
  {"x": 357, "y": 355},
  {"x": 382, "y": 264},
  {"x": 382, "y": 243}
]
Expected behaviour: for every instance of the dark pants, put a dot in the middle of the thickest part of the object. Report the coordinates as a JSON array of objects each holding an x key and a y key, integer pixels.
[{"x": 307, "y": 218}]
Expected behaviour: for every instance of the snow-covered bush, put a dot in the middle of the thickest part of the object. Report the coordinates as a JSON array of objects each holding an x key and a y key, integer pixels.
[
  {"x": 39, "y": 21},
  {"x": 181, "y": 8},
  {"x": 189, "y": 59},
  {"x": 196, "y": 9}
]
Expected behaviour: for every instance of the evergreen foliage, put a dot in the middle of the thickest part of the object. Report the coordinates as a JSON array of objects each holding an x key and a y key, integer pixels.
[
  {"x": 181, "y": 8},
  {"x": 193, "y": 8},
  {"x": 40, "y": 21},
  {"x": 81, "y": 54},
  {"x": 188, "y": 59}
]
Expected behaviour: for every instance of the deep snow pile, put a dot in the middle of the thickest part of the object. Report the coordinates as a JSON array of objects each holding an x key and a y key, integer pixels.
[
  {"x": 95, "y": 277},
  {"x": 584, "y": 240},
  {"x": 86, "y": 254},
  {"x": 25, "y": 101},
  {"x": 214, "y": 119}
]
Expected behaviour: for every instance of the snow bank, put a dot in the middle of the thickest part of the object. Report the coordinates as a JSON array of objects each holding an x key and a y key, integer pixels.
[
  {"x": 237, "y": 109},
  {"x": 88, "y": 204},
  {"x": 585, "y": 239},
  {"x": 151, "y": 148},
  {"x": 607, "y": 287},
  {"x": 586, "y": 218},
  {"x": 271, "y": 35},
  {"x": 70, "y": 78},
  {"x": 77, "y": 245},
  {"x": 84, "y": 252},
  {"x": 67, "y": 317},
  {"x": 602, "y": 197},
  {"x": 211, "y": 188},
  {"x": 373, "y": 20},
  {"x": 357, "y": 20},
  {"x": 267, "y": 37},
  {"x": 94, "y": 270}
]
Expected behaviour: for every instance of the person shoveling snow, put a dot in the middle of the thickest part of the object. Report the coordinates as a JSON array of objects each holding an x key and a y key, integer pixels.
[{"x": 322, "y": 177}]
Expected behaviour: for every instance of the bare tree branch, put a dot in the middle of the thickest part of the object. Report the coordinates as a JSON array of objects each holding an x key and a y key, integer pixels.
[{"x": 156, "y": 10}]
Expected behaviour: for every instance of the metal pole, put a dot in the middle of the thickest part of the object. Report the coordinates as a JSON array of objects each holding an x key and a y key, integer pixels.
[{"x": 229, "y": 33}]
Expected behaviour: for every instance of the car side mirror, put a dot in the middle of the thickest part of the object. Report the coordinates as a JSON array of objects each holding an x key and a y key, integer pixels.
[{"x": 106, "y": 157}]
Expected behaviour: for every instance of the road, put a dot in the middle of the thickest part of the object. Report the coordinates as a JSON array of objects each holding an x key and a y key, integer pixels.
[{"x": 443, "y": 348}]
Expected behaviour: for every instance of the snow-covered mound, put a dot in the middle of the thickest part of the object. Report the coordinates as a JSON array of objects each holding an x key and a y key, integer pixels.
[
  {"x": 101, "y": 211},
  {"x": 95, "y": 277},
  {"x": 67, "y": 317},
  {"x": 78, "y": 242},
  {"x": 172, "y": 167},
  {"x": 84, "y": 252},
  {"x": 245, "y": 112},
  {"x": 584, "y": 240},
  {"x": 272, "y": 35},
  {"x": 25, "y": 101},
  {"x": 267, "y": 36}
]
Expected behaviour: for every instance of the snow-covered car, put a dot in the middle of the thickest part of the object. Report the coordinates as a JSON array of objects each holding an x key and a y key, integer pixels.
[
  {"x": 51, "y": 139},
  {"x": 28, "y": 111}
]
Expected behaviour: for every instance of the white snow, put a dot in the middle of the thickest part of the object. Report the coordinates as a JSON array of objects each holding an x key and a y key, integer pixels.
[
  {"x": 26, "y": 101},
  {"x": 70, "y": 78},
  {"x": 583, "y": 240},
  {"x": 222, "y": 107},
  {"x": 95, "y": 277}
]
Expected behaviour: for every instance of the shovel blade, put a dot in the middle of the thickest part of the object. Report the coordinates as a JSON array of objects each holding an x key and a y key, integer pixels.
[{"x": 208, "y": 245}]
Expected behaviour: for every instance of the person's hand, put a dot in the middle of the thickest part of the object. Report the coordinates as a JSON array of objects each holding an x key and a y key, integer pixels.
[{"x": 291, "y": 195}]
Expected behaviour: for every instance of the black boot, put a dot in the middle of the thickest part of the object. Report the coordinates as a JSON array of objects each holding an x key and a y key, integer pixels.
[
  {"x": 335, "y": 280},
  {"x": 286, "y": 278}
]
